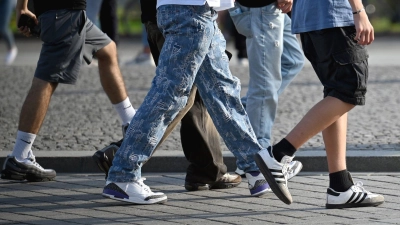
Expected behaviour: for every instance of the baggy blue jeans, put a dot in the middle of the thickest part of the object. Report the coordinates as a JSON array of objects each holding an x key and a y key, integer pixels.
[
  {"x": 275, "y": 58},
  {"x": 193, "y": 53}
]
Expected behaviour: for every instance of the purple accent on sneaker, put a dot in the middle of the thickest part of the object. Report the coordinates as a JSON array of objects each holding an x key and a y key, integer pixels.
[
  {"x": 254, "y": 173},
  {"x": 115, "y": 193},
  {"x": 259, "y": 189}
]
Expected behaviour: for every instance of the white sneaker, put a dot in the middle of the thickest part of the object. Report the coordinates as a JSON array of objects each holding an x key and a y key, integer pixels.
[
  {"x": 293, "y": 169},
  {"x": 11, "y": 55},
  {"x": 257, "y": 183},
  {"x": 276, "y": 173},
  {"x": 141, "y": 59},
  {"x": 356, "y": 196},
  {"x": 135, "y": 192},
  {"x": 29, "y": 169}
]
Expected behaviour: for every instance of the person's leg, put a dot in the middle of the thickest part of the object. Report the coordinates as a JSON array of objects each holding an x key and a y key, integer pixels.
[
  {"x": 214, "y": 72},
  {"x": 292, "y": 59},
  {"x": 144, "y": 57},
  {"x": 201, "y": 145},
  {"x": 110, "y": 74},
  {"x": 342, "y": 67},
  {"x": 93, "y": 10},
  {"x": 170, "y": 89},
  {"x": 199, "y": 137},
  {"x": 321, "y": 116},
  {"x": 335, "y": 144},
  {"x": 99, "y": 45},
  {"x": 263, "y": 28},
  {"x": 275, "y": 59},
  {"x": 35, "y": 106},
  {"x": 5, "y": 31},
  {"x": 109, "y": 19}
]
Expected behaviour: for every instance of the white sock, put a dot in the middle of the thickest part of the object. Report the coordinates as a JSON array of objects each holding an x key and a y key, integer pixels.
[
  {"x": 125, "y": 111},
  {"x": 23, "y": 145}
]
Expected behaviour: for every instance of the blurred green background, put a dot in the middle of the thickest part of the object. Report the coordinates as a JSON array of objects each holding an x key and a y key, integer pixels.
[{"x": 384, "y": 16}]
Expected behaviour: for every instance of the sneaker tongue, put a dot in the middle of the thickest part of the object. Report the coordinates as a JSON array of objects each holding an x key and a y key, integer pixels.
[
  {"x": 31, "y": 157},
  {"x": 286, "y": 159}
]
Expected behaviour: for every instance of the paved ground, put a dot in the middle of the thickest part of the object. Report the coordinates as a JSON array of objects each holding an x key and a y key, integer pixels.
[
  {"x": 81, "y": 119},
  {"x": 76, "y": 199}
]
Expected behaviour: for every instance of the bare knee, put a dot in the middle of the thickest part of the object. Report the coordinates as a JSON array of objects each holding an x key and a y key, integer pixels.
[{"x": 107, "y": 53}]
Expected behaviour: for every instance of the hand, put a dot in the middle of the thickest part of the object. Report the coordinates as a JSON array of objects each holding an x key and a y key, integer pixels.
[
  {"x": 24, "y": 29},
  {"x": 364, "y": 29},
  {"x": 284, "y": 5}
]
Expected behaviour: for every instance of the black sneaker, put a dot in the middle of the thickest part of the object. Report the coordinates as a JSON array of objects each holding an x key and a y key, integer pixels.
[
  {"x": 104, "y": 157},
  {"x": 355, "y": 196},
  {"x": 225, "y": 182},
  {"x": 27, "y": 169}
]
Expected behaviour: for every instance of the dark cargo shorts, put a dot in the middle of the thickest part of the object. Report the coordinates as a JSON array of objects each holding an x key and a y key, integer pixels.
[
  {"x": 339, "y": 62},
  {"x": 68, "y": 38}
]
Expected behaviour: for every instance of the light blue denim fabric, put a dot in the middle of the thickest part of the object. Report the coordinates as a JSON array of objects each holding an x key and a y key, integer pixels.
[
  {"x": 193, "y": 53},
  {"x": 6, "y": 9},
  {"x": 275, "y": 58}
]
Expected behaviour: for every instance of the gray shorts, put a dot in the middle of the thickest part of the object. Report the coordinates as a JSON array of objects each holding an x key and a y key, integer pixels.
[{"x": 68, "y": 39}]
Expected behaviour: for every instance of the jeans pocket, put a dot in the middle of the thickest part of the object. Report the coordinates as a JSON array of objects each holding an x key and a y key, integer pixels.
[{"x": 241, "y": 17}]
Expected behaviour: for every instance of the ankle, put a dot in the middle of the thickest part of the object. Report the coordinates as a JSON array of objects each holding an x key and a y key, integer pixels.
[
  {"x": 340, "y": 181},
  {"x": 283, "y": 148}
]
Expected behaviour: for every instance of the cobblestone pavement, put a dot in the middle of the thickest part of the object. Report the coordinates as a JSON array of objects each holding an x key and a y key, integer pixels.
[
  {"x": 81, "y": 117},
  {"x": 76, "y": 199}
]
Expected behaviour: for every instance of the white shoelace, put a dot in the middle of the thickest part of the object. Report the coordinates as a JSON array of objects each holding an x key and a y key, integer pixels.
[
  {"x": 359, "y": 187},
  {"x": 144, "y": 186},
  {"x": 285, "y": 167}
]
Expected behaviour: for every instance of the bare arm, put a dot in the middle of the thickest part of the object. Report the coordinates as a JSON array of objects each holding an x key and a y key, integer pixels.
[
  {"x": 22, "y": 8},
  {"x": 365, "y": 31}
]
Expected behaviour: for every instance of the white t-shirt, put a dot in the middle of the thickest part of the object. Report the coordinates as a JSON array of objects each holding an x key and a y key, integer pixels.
[{"x": 217, "y": 4}]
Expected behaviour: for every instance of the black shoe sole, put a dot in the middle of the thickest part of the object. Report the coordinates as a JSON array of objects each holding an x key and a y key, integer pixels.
[
  {"x": 13, "y": 175},
  {"x": 189, "y": 186},
  {"x": 352, "y": 205},
  {"x": 286, "y": 198},
  {"x": 224, "y": 185}
]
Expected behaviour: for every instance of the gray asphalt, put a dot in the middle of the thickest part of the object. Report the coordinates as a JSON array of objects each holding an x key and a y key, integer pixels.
[{"x": 81, "y": 121}]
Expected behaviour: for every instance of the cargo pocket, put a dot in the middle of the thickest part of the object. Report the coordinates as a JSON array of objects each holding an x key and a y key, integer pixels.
[
  {"x": 352, "y": 66},
  {"x": 350, "y": 56}
]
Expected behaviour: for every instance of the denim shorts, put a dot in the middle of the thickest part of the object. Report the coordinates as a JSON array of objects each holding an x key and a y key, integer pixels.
[
  {"x": 339, "y": 62},
  {"x": 68, "y": 38}
]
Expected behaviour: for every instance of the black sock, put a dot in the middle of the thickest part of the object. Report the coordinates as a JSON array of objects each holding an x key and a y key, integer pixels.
[
  {"x": 283, "y": 148},
  {"x": 340, "y": 181}
]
